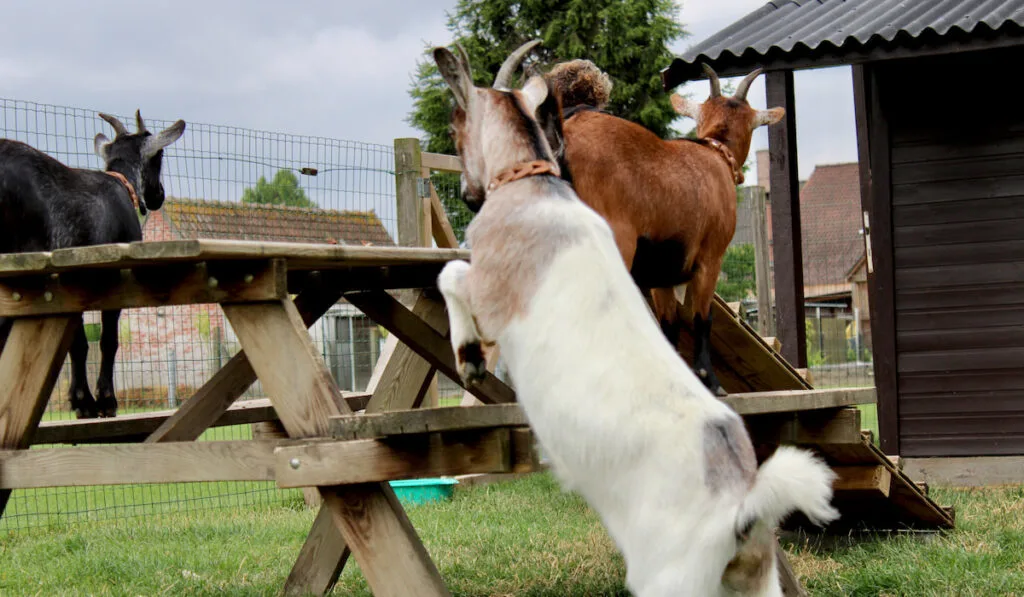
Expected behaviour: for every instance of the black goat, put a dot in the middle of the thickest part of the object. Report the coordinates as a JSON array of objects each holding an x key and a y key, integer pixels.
[{"x": 45, "y": 205}]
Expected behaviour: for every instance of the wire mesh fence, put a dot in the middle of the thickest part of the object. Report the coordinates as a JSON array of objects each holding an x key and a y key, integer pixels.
[
  {"x": 233, "y": 183},
  {"x": 220, "y": 182}
]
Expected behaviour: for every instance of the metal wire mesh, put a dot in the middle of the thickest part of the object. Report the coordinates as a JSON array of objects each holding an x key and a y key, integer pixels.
[{"x": 334, "y": 191}]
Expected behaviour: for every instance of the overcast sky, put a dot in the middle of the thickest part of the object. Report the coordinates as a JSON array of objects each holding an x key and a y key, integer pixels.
[{"x": 336, "y": 68}]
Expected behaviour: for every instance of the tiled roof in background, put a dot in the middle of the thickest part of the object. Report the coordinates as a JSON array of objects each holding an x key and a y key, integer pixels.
[
  {"x": 830, "y": 223},
  {"x": 191, "y": 218}
]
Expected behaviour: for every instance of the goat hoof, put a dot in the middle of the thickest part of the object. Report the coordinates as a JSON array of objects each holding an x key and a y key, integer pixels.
[
  {"x": 85, "y": 413},
  {"x": 108, "y": 413}
]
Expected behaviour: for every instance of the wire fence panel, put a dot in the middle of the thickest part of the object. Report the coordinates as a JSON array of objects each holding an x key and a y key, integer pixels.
[{"x": 220, "y": 182}]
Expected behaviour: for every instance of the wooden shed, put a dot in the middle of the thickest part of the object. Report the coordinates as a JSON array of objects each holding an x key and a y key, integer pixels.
[{"x": 940, "y": 133}]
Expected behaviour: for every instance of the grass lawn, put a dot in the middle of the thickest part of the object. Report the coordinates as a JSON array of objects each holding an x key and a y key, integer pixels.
[{"x": 523, "y": 537}]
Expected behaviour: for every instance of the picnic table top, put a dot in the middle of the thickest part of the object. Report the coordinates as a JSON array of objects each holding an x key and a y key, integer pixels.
[{"x": 298, "y": 256}]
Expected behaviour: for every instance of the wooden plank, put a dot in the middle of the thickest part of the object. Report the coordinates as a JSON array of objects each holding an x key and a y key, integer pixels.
[
  {"x": 787, "y": 578},
  {"x": 976, "y": 471},
  {"x": 148, "y": 287},
  {"x": 299, "y": 256},
  {"x": 136, "y": 427},
  {"x": 798, "y": 400},
  {"x": 369, "y": 516},
  {"x": 29, "y": 364},
  {"x": 212, "y": 400},
  {"x": 110, "y": 254},
  {"x": 785, "y": 198},
  {"x": 773, "y": 343},
  {"x": 426, "y": 341},
  {"x": 407, "y": 177},
  {"x": 407, "y": 457},
  {"x": 321, "y": 559},
  {"x": 762, "y": 262},
  {"x": 873, "y": 126},
  {"x": 443, "y": 234},
  {"x": 812, "y": 428},
  {"x": 525, "y": 458},
  {"x": 406, "y": 376},
  {"x": 441, "y": 162},
  {"x": 408, "y": 422},
  {"x": 862, "y": 482},
  {"x": 172, "y": 462}
]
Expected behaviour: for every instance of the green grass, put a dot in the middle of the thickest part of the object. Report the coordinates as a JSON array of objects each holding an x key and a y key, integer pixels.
[{"x": 524, "y": 537}]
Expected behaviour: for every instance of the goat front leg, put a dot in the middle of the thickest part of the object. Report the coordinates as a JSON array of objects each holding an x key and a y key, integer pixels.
[
  {"x": 703, "y": 288},
  {"x": 106, "y": 400},
  {"x": 466, "y": 341},
  {"x": 81, "y": 398}
]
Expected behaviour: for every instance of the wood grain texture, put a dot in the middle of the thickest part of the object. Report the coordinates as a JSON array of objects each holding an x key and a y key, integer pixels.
[
  {"x": 321, "y": 559},
  {"x": 441, "y": 162},
  {"x": 409, "y": 422},
  {"x": 173, "y": 462},
  {"x": 870, "y": 481},
  {"x": 410, "y": 457},
  {"x": 212, "y": 400},
  {"x": 425, "y": 340},
  {"x": 798, "y": 400},
  {"x": 29, "y": 365}
]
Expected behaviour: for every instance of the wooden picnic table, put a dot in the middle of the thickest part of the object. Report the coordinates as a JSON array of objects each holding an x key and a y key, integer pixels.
[{"x": 271, "y": 293}]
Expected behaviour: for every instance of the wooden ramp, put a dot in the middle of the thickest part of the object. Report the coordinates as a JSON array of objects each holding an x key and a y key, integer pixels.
[{"x": 871, "y": 491}]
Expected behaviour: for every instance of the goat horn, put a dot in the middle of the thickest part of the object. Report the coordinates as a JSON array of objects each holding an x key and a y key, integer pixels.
[
  {"x": 512, "y": 63},
  {"x": 119, "y": 127},
  {"x": 464, "y": 58},
  {"x": 139, "y": 123},
  {"x": 741, "y": 89},
  {"x": 716, "y": 87}
]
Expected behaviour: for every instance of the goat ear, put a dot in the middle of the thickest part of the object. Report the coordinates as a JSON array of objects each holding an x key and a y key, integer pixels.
[
  {"x": 768, "y": 116},
  {"x": 169, "y": 135},
  {"x": 685, "y": 107},
  {"x": 453, "y": 73},
  {"x": 547, "y": 111},
  {"x": 99, "y": 145}
]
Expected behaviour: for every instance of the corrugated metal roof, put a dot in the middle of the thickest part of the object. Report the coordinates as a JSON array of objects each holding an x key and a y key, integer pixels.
[{"x": 789, "y": 26}]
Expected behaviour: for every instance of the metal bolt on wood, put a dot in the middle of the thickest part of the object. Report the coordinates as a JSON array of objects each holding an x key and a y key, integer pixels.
[
  {"x": 248, "y": 278},
  {"x": 294, "y": 463},
  {"x": 212, "y": 282},
  {"x": 16, "y": 296},
  {"x": 47, "y": 296}
]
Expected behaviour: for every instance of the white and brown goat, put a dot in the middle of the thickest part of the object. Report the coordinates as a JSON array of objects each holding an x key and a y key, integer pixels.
[
  {"x": 671, "y": 204},
  {"x": 669, "y": 469}
]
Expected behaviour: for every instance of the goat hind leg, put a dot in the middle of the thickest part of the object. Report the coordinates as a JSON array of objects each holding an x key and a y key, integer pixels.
[
  {"x": 106, "y": 400},
  {"x": 465, "y": 337},
  {"x": 703, "y": 289},
  {"x": 81, "y": 398}
]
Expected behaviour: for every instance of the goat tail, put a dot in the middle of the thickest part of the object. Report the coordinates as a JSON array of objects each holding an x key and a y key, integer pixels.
[
  {"x": 580, "y": 83},
  {"x": 791, "y": 479}
]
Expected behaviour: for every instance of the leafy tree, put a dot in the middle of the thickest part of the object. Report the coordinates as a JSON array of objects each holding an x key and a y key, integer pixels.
[
  {"x": 283, "y": 190},
  {"x": 629, "y": 40},
  {"x": 737, "y": 280}
]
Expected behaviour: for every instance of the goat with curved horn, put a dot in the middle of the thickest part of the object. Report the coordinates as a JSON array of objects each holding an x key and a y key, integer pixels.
[
  {"x": 716, "y": 87},
  {"x": 511, "y": 63},
  {"x": 744, "y": 86},
  {"x": 119, "y": 127}
]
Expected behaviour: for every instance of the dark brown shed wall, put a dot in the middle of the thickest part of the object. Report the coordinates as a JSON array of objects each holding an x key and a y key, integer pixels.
[{"x": 957, "y": 147}]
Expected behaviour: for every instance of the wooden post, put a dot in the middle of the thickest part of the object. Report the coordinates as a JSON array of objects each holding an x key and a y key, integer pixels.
[
  {"x": 876, "y": 200},
  {"x": 408, "y": 170},
  {"x": 762, "y": 270},
  {"x": 787, "y": 250}
]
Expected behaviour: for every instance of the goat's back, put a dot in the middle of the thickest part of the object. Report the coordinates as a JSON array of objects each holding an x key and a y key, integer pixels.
[{"x": 45, "y": 205}]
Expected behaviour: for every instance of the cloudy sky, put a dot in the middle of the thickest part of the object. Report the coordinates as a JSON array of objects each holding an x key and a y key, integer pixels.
[{"x": 336, "y": 68}]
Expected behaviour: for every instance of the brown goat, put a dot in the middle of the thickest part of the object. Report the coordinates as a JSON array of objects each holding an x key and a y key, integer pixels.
[{"x": 671, "y": 204}]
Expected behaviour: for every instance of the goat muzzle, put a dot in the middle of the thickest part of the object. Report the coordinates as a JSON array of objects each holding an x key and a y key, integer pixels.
[
  {"x": 522, "y": 170},
  {"x": 128, "y": 187}
]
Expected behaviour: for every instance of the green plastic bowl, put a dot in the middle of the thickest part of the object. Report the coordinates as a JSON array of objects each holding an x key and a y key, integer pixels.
[{"x": 423, "y": 491}]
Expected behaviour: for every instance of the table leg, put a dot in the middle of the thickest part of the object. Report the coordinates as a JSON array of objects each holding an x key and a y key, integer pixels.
[
  {"x": 370, "y": 518},
  {"x": 29, "y": 365}
]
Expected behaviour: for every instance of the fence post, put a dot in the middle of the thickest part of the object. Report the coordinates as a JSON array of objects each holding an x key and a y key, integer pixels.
[
  {"x": 762, "y": 271},
  {"x": 408, "y": 171}
]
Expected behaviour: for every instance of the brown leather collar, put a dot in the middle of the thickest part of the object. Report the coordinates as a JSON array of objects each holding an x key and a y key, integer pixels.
[
  {"x": 128, "y": 186},
  {"x": 737, "y": 171},
  {"x": 522, "y": 170}
]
